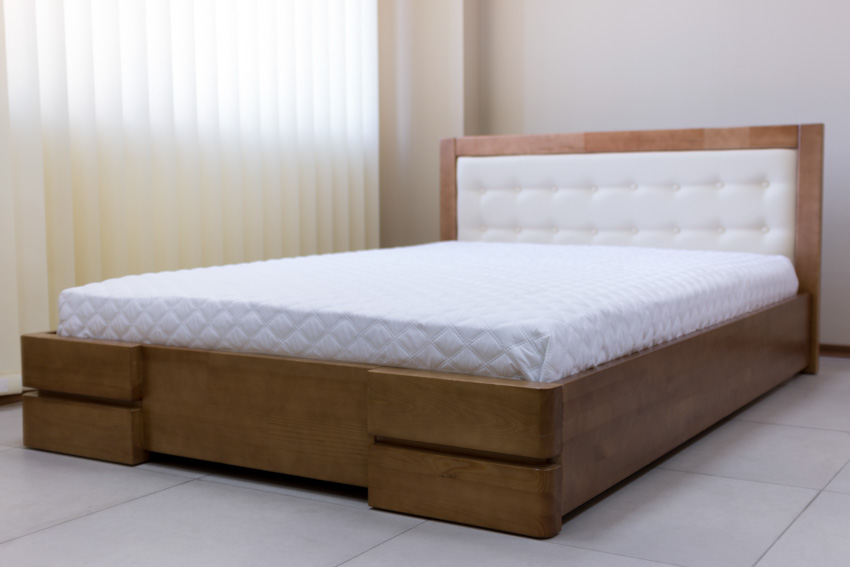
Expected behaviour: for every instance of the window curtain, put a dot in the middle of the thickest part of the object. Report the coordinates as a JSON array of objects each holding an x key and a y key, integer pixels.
[{"x": 147, "y": 135}]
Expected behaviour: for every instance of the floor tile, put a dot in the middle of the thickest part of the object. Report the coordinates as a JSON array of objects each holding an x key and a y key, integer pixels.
[
  {"x": 807, "y": 404},
  {"x": 330, "y": 492},
  {"x": 841, "y": 363},
  {"x": 688, "y": 519},
  {"x": 792, "y": 456},
  {"x": 833, "y": 373},
  {"x": 44, "y": 489},
  {"x": 841, "y": 482},
  {"x": 11, "y": 430},
  {"x": 210, "y": 524},
  {"x": 820, "y": 536},
  {"x": 437, "y": 544}
]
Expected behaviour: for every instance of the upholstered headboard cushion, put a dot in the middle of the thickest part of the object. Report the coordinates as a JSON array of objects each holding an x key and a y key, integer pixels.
[{"x": 737, "y": 200}]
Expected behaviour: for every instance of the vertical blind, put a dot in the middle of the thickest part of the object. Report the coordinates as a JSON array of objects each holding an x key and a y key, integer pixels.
[{"x": 147, "y": 135}]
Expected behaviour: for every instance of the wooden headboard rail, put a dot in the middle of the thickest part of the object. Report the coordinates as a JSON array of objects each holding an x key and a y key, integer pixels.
[{"x": 807, "y": 139}]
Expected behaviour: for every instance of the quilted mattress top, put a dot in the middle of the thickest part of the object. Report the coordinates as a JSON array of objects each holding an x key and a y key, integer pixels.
[{"x": 536, "y": 312}]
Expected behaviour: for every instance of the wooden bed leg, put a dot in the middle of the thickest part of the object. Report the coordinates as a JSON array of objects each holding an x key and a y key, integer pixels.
[
  {"x": 807, "y": 259},
  {"x": 84, "y": 428},
  {"x": 88, "y": 401},
  {"x": 478, "y": 451},
  {"x": 511, "y": 497}
]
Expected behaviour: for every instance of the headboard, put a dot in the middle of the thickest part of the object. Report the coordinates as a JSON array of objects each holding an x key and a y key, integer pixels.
[{"x": 754, "y": 189}]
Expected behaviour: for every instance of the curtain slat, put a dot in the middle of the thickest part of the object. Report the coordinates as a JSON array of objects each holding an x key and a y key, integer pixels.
[
  {"x": 9, "y": 308},
  {"x": 144, "y": 135}
]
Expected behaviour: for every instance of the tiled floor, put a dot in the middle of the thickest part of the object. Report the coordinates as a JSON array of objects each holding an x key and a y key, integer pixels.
[{"x": 770, "y": 487}]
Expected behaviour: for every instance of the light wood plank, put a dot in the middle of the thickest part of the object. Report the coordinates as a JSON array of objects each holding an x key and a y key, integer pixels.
[
  {"x": 645, "y": 141},
  {"x": 278, "y": 414},
  {"x": 103, "y": 369},
  {"x": 807, "y": 258},
  {"x": 774, "y": 136},
  {"x": 84, "y": 428},
  {"x": 521, "y": 144},
  {"x": 509, "y": 417},
  {"x": 448, "y": 190},
  {"x": 623, "y": 415},
  {"x": 630, "y": 141},
  {"x": 502, "y": 496}
]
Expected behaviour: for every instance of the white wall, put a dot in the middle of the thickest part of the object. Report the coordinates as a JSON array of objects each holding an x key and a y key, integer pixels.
[{"x": 586, "y": 65}]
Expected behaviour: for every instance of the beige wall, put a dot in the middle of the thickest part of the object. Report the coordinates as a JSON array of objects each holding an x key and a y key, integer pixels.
[
  {"x": 583, "y": 65},
  {"x": 532, "y": 66},
  {"x": 421, "y": 70}
]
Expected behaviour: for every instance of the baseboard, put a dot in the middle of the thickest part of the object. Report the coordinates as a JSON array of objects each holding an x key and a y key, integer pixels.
[
  {"x": 842, "y": 351},
  {"x": 10, "y": 399}
]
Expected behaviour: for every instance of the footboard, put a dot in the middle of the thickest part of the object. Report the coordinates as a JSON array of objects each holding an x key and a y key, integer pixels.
[{"x": 473, "y": 450}]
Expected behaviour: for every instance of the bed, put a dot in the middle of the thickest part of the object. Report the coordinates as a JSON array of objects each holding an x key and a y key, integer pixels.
[{"x": 495, "y": 452}]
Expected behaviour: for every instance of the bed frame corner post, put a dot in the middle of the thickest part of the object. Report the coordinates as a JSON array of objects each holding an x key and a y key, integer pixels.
[
  {"x": 448, "y": 189},
  {"x": 479, "y": 451},
  {"x": 87, "y": 400},
  {"x": 809, "y": 217}
]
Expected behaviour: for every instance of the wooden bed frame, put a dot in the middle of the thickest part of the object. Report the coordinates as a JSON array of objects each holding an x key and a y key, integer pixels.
[{"x": 501, "y": 454}]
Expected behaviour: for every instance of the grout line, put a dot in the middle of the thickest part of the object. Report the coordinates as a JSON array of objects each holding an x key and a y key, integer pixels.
[
  {"x": 380, "y": 544},
  {"x": 788, "y": 425},
  {"x": 788, "y": 527},
  {"x": 742, "y": 479},
  {"x": 611, "y": 553},
  {"x": 231, "y": 485},
  {"x": 142, "y": 467},
  {"x": 846, "y": 465},
  {"x": 74, "y": 519}
]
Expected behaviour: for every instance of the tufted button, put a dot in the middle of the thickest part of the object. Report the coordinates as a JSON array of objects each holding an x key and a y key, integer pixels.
[
  {"x": 482, "y": 190},
  {"x": 554, "y": 230},
  {"x": 676, "y": 230},
  {"x": 518, "y": 230},
  {"x": 765, "y": 184},
  {"x": 483, "y": 228},
  {"x": 594, "y": 188},
  {"x": 720, "y": 230},
  {"x": 675, "y": 187},
  {"x": 555, "y": 189},
  {"x": 719, "y": 185},
  {"x": 633, "y": 186},
  {"x": 765, "y": 229},
  {"x": 634, "y": 230},
  {"x": 517, "y": 189},
  {"x": 594, "y": 231}
]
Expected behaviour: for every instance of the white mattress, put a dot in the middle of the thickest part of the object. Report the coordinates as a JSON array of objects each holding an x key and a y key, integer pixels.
[{"x": 537, "y": 312}]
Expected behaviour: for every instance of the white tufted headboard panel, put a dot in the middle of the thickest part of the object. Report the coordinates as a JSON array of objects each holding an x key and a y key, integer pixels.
[
  {"x": 751, "y": 189},
  {"x": 736, "y": 200}
]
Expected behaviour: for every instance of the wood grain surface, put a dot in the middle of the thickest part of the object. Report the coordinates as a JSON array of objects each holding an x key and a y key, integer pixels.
[
  {"x": 749, "y": 137},
  {"x": 487, "y": 414},
  {"x": 807, "y": 258},
  {"x": 272, "y": 413},
  {"x": 491, "y": 494},
  {"x": 103, "y": 369},
  {"x": 84, "y": 428},
  {"x": 448, "y": 190},
  {"x": 623, "y": 415}
]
